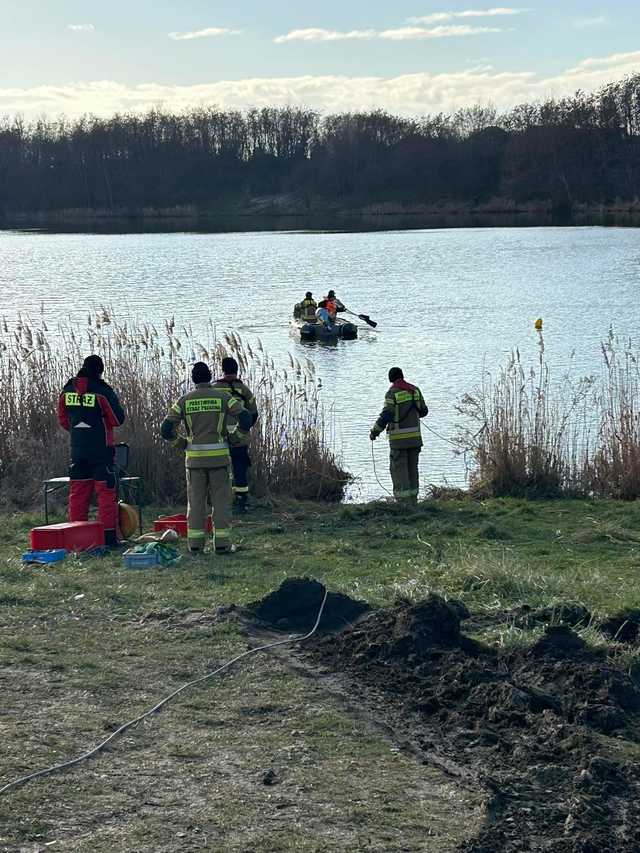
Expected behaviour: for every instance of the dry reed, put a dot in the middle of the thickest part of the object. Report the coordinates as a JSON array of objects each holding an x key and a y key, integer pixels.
[
  {"x": 149, "y": 368},
  {"x": 535, "y": 438}
]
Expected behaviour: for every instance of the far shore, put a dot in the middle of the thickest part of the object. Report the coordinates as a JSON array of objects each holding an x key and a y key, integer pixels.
[{"x": 286, "y": 212}]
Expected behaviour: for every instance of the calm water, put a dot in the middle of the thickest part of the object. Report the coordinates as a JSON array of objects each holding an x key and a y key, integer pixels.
[{"x": 448, "y": 302}]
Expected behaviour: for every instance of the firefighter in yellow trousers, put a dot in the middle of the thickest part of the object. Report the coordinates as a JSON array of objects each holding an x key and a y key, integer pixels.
[
  {"x": 204, "y": 413},
  {"x": 404, "y": 405}
]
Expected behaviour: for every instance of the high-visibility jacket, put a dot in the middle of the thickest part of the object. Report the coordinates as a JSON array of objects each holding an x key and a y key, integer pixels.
[
  {"x": 238, "y": 437},
  {"x": 308, "y": 307},
  {"x": 404, "y": 405},
  {"x": 89, "y": 410},
  {"x": 204, "y": 413}
]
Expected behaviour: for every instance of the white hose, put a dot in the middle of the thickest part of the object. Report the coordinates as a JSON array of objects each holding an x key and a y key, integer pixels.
[{"x": 123, "y": 728}]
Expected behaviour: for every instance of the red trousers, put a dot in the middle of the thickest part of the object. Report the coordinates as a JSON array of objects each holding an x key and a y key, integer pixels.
[{"x": 84, "y": 479}]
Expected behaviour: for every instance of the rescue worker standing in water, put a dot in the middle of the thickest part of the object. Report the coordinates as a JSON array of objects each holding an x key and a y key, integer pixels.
[
  {"x": 206, "y": 413},
  {"x": 404, "y": 405},
  {"x": 239, "y": 437},
  {"x": 89, "y": 410}
]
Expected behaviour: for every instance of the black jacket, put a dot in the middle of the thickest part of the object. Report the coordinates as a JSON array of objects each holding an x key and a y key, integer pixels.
[{"x": 89, "y": 410}]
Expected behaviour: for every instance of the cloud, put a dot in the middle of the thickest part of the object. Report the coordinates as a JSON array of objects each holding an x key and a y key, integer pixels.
[
  {"x": 408, "y": 94},
  {"x": 614, "y": 60},
  {"x": 81, "y": 28},
  {"x": 397, "y": 34},
  {"x": 209, "y": 32},
  {"x": 591, "y": 23},
  {"x": 437, "y": 17}
]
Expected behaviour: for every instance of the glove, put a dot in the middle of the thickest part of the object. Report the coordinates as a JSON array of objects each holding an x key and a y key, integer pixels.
[
  {"x": 180, "y": 443},
  {"x": 373, "y": 435}
]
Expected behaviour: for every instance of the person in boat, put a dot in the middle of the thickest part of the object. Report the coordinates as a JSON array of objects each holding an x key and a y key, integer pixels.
[
  {"x": 404, "y": 405},
  {"x": 306, "y": 310},
  {"x": 323, "y": 316},
  {"x": 333, "y": 304}
]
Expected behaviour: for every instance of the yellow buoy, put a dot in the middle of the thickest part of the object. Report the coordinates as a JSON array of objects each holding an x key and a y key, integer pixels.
[
  {"x": 538, "y": 324},
  {"x": 128, "y": 519}
]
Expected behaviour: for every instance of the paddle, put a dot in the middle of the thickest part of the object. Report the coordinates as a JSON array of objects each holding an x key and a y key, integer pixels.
[{"x": 367, "y": 319}]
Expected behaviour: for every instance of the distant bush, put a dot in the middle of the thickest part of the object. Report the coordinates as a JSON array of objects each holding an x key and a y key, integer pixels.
[
  {"x": 533, "y": 438},
  {"x": 149, "y": 369}
]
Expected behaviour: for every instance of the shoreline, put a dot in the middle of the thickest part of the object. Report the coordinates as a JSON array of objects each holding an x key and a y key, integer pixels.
[{"x": 286, "y": 213}]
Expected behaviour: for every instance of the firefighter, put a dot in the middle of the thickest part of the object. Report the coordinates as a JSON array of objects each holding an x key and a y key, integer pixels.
[
  {"x": 89, "y": 410},
  {"x": 238, "y": 437},
  {"x": 306, "y": 310},
  {"x": 205, "y": 412},
  {"x": 404, "y": 405}
]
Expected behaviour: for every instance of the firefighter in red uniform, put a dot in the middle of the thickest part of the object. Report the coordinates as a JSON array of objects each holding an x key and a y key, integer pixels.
[{"x": 89, "y": 410}]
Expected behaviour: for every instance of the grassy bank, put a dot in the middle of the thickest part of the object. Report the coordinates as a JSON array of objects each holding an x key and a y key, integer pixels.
[
  {"x": 493, "y": 554},
  {"x": 86, "y": 644}
]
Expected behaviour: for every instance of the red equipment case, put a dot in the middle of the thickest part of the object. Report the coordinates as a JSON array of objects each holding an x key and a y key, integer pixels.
[
  {"x": 72, "y": 535},
  {"x": 178, "y": 523}
]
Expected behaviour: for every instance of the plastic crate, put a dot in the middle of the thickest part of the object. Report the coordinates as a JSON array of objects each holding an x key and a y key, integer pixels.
[
  {"x": 72, "y": 536},
  {"x": 178, "y": 523},
  {"x": 134, "y": 560},
  {"x": 53, "y": 555}
]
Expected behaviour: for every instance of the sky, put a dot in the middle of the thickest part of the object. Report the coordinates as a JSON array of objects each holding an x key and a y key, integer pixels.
[{"x": 410, "y": 57}]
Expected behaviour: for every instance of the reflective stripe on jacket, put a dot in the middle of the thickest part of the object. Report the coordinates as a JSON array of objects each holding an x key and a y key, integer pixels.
[
  {"x": 404, "y": 405},
  {"x": 237, "y": 436},
  {"x": 205, "y": 413}
]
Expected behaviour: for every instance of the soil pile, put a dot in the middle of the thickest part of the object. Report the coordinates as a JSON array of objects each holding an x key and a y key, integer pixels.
[
  {"x": 553, "y": 730},
  {"x": 294, "y": 606}
]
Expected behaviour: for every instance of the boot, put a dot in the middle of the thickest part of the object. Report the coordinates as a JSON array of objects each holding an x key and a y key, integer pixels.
[
  {"x": 242, "y": 503},
  {"x": 111, "y": 541}
]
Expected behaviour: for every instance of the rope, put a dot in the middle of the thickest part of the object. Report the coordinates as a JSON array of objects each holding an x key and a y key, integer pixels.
[
  {"x": 123, "y": 728},
  {"x": 375, "y": 474},
  {"x": 443, "y": 437}
]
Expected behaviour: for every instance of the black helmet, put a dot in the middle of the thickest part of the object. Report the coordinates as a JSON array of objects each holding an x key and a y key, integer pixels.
[
  {"x": 92, "y": 366},
  {"x": 229, "y": 365},
  {"x": 200, "y": 373}
]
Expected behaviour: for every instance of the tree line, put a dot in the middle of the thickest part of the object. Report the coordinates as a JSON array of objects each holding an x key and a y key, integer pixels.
[{"x": 583, "y": 148}]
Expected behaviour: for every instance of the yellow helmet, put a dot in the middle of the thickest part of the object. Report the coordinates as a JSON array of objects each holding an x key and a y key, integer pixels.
[{"x": 128, "y": 519}]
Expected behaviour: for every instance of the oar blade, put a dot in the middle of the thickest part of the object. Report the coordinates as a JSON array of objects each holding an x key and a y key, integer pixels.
[{"x": 367, "y": 319}]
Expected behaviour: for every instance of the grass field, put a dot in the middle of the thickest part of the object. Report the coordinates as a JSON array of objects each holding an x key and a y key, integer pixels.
[{"x": 87, "y": 644}]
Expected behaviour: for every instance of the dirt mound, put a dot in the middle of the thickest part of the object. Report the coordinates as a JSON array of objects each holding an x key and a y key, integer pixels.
[
  {"x": 623, "y": 627},
  {"x": 559, "y": 641},
  {"x": 530, "y": 722},
  {"x": 295, "y": 604}
]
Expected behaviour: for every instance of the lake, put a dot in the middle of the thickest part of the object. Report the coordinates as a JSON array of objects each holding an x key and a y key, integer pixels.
[{"x": 449, "y": 303}]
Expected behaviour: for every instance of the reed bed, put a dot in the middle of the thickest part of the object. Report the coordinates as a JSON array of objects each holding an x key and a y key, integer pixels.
[
  {"x": 531, "y": 436},
  {"x": 149, "y": 367}
]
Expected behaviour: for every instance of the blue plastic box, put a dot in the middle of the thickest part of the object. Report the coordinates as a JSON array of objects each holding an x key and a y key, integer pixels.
[
  {"x": 52, "y": 555},
  {"x": 139, "y": 561}
]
